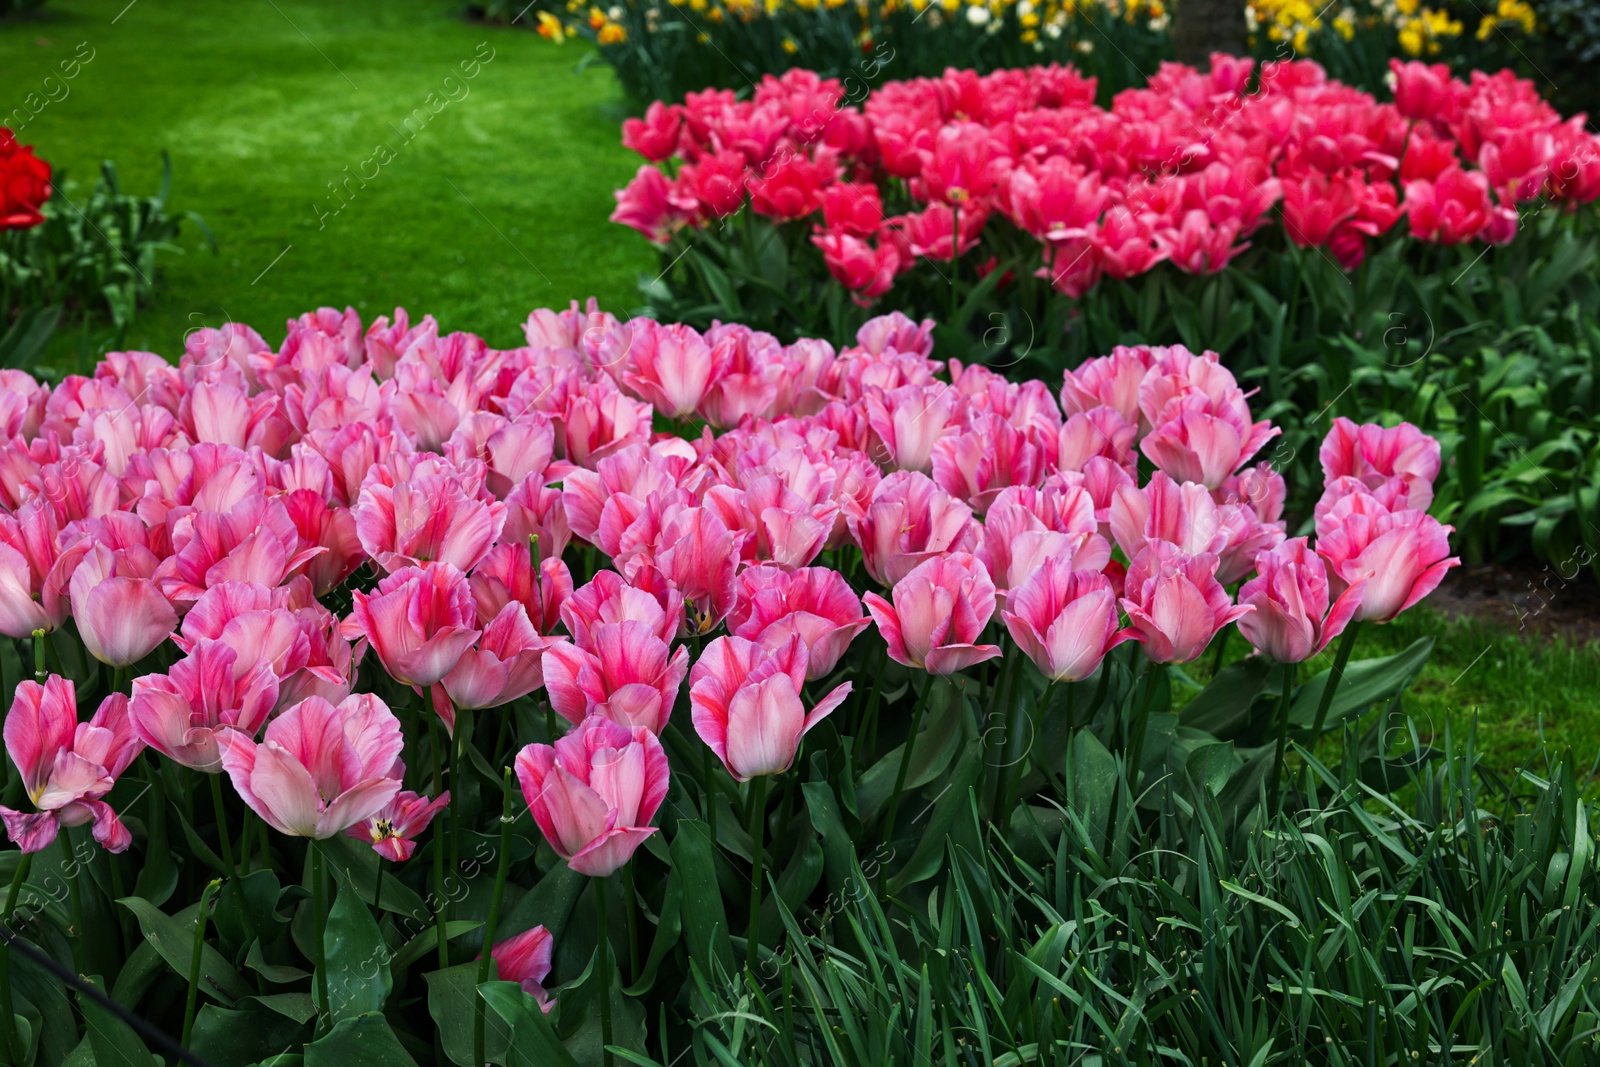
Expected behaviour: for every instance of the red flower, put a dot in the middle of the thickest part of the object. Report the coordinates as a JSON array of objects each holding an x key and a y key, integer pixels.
[{"x": 24, "y": 184}]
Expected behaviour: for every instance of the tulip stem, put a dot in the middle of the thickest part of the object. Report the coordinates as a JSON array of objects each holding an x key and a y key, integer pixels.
[
  {"x": 603, "y": 966},
  {"x": 758, "y": 823},
  {"x": 69, "y": 870},
  {"x": 39, "y": 671},
  {"x": 479, "y": 1021},
  {"x": 13, "y": 1040},
  {"x": 194, "y": 960},
  {"x": 955, "y": 258},
  {"x": 222, "y": 825},
  {"x": 871, "y": 713},
  {"x": 319, "y": 916},
  {"x": 377, "y": 888},
  {"x": 1136, "y": 739},
  {"x": 463, "y": 726},
  {"x": 707, "y": 770},
  {"x": 905, "y": 765},
  {"x": 1283, "y": 736},
  {"x": 438, "y": 848},
  {"x": 631, "y": 897},
  {"x": 1341, "y": 658}
]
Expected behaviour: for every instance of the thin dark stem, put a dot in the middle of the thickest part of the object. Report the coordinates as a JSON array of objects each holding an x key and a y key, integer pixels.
[
  {"x": 708, "y": 768},
  {"x": 1283, "y": 736},
  {"x": 457, "y": 794},
  {"x": 479, "y": 1019},
  {"x": 438, "y": 850},
  {"x": 195, "y": 956},
  {"x": 869, "y": 715},
  {"x": 1136, "y": 739},
  {"x": 377, "y": 888},
  {"x": 8, "y": 1026},
  {"x": 758, "y": 823},
  {"x": 1341, "y": 658},
  {"x": 69, "y": 868},
  {"x": 631, "y": 900},
  {"x": 893, "y": 809},
  {"x": 222, "y": 825},
  {"x": 319, "y": 908},
  {"x": 603, "y": 965}
]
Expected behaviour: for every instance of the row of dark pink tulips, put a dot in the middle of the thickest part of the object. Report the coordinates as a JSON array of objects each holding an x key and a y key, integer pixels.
[{"x": 190, "y": 525}]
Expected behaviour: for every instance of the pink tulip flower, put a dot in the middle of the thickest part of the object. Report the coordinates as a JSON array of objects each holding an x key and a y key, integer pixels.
[
  {"x": 1175, "y": 602},
  {"x": 906, "y": 422},
  {"x": 503, "y": 666},
  {"x": 392, "y": 832},
  {"x": 629, "y": 675},
  {"x": 525, "y": 959},
  {"x": 939, "y": 611},
  {"x": 607, "y": 597},
  {"x": 121, "y": 614},
  {"x": 67, "y": 766},
  {"x": 419, "y": 621},
  {"x": 1204, "y": 442},
  {"x": 594, "y": 792},
  {"x": 506, "y": 575},
  {"x": 1064, "y": 620},
  {"x": 213, "y": 688},
  {"x": 438, "y": 512},
  {"x": 747, "y": 704},
  {"x": 909, "y": 521},
  {"x": 1293, "y": 620},
  {"x": 1402, "y": 556},
  {"x": 34, "y": 571},
  {"x": 319, "y": 769},
  {"x": 814, "y": 603},
  {"x": 699, "y": 555},
  {"x": 1375, "y": 456}
]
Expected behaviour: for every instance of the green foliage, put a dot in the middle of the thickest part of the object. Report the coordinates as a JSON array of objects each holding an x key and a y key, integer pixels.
[
  {"x": 1458, "y": 925},
  {"x": 95, "y": 259}
]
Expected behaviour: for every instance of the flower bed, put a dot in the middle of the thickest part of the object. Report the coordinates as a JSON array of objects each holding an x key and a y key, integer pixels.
[{"x": 671, "y": 580}]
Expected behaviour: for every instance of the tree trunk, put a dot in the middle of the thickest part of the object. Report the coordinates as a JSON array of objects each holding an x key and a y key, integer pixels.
[{"x": 1200, "y": 27}]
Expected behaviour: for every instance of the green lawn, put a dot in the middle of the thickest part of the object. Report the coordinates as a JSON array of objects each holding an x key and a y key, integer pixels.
[
  {"x": 480, "y": 211},
  {"x": 496, "y": 206}
]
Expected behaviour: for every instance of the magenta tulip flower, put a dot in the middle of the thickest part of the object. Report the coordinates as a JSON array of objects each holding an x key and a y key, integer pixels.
[
  {"x": 393, "y": 832},
  {"x": 525, "y": 959},
  {"x": 419, "y": 621},
  {"x": 747, "y": 704},
  {"x": 1064, "y": 620},
  {"x": 503, "y": 666},
  {"x": 939, "y": 611},
  {"x": 121, "y": 615},
  {"x": 1402, "y": 556},
  {"x": 1293, "y": 620},
  {"x": 814, "y": 603},
  {"x": 628, "y": 675},
  {"x": 1175, "y": 602},
  {"x": 212, "y": 689},
  {"x": 67, "y": 766},
  {"x": 319, "y": 769},
  {"x": 594, "y": 792}
]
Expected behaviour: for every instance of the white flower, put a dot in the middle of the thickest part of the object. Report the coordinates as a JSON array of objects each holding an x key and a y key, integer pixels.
[{"x": 977, "y": 15}]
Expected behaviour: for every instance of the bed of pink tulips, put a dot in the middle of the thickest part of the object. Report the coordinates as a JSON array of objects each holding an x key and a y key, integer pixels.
[
  {"x": 368, "y": 586},
  {"x": 1184, "y": 171}
]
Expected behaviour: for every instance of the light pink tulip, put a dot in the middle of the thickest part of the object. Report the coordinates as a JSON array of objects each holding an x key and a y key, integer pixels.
[
  {"x": 1293, "y": 620},
  {"x": 939, "y": 611},
  {"x": 213, "y": 688},
  {"x": 525, "y": 959},
  {"x": 699, "y": 555},
  {"x": 1175, "y": 602},
  {"x": 814, "y": 603},
  {"x": 1064, "y": 620},
  {"x": 1374, "y": 456},
  {"x": 672, "y": 367},
  {"x": 608, "y": 597},
  {"x": 506, "y": 575},
  {"x": 121, "y": 614},
  {"x": 392, "y": 832},
  {"x": 906, "y": 422},
  {"x": 1202, "y": 441},
  {"x": 435, "y": 512},
  {"x": 594, "y": 792},
  {"x": 911, "y": 520},
  {"x": 977, "y": 464},
  {"x": 419, "y": 621},
  {"x": 503, "y": 666},
  {"x": 1402, "y": 556},
  {"x": 747, "y": 704},
  {"x": 258, "y": 623},
  {"x": 319, "y": 769},
  {"x": 34, "y": 571},
  {"x": 1100, "y": 431},
  {"x": 253, "y": 541},
  {"x": 67, "y": 766},
  {"x": 629, "y": 675}
]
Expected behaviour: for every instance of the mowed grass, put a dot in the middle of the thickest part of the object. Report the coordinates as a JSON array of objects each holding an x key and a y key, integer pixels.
[
  {"x": 490, "y": 200},
  {"x": 491, "y": 206}
]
